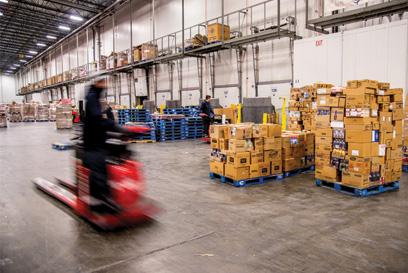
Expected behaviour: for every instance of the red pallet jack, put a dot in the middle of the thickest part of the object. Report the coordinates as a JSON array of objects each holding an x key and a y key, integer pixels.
[{"x": 127, "y": 187}]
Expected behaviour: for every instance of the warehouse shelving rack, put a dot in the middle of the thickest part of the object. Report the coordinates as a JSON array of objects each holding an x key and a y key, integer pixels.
[{"x": 256, "y": 30}]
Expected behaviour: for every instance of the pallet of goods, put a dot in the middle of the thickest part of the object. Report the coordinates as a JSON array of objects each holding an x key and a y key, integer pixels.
[
  {"x": 405, "y": 139},
  {"x": 64, "y": 116},
  {"x": 246, "y": 154},
  {"x": 193, "y": 127},
  {"x": 15, "y": 113},
  {"x": 359, "y": 138},
  {"x": 52, "y": 114},
  {"x": 43, "y": 112},
  {"x": 29, "y": 112},
  {"x": 3, "y": 116},
  {"x": 298, "y": 150}
]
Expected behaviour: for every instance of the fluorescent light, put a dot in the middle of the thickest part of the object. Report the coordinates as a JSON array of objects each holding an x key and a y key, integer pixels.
[
  {"x": 4, "y": 1},
  {"x": 13, "y": 68},
  {"x": 51, "y": 37},
  {"x": 23, "y": 61},
  {"x": 32, "y": 52},
  {"x": 8, "y": 71},
  {"x": 76, "y": 18},
  {"x": 64, "y": 28},
  {"x": 1, "y": 13},
  {"x": 17, "y": 65},
  {"x": 41, "y": 44},
  {"x": 29, "y": 56}
]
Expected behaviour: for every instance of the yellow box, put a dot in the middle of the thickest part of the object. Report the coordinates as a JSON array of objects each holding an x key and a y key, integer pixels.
[{"x": 215, "y": 30}]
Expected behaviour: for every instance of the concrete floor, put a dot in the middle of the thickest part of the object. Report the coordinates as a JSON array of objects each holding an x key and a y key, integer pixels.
[{"x": 290, "y": 226}]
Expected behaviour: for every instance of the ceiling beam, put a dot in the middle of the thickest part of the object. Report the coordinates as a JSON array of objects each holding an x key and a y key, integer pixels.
[{"x": 74, "y": 6}]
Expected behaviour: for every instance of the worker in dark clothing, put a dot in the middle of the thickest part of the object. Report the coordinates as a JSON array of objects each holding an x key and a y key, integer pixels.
[
  {"x": 96, "y": 126},
  {"x": 207, "y": 114}
]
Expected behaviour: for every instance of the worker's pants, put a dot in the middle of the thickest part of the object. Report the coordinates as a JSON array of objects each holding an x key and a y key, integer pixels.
[
  {"x": 206, "y": 124},
  {"x": 95, "y": 161}
]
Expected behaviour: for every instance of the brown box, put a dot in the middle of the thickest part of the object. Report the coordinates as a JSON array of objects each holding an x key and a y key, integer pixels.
[
  {"x": 358, "y": 101},
  {"x": 259, "y": 169},
  {"x": 149, "y": 51},
  {"x": 358, "y": 136},
  {"x": 326, "y": 173},
  {"x": 272, "y": 143},
  {"x": 215, "y": 144},
  {"x": 238, "y": 145},
  {"x": 240, "y": 132},
  {"x": 276, "y": 167},
  {"x": 217, "y": 131},
  {"x": 257, "y": 157},
  {"x": 223, "y": 144},
  {"x": 356, "y": 180},
  {"x": 274, "y": 130},
  {"x": 217, "y": 167},
  {"x": 137, "y": 53},
  {"x": 236, "y": 173},
  {"x": 298, "y": 151},
  {"x": 241, "y": 159},
  {"x": 273, "y": 155},
  {"x": 214, "y": 32},
  {"x": 360, "y": 165},
  {"x": 324, "y": 132},
  {"x": 259, "y": 130},
  {"x": 290, "y": 164},
  {"x": 361, "y": 149}
]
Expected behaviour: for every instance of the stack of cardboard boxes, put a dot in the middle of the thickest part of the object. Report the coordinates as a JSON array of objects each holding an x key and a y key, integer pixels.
[
  {"x": 359, "y": 134},
  {"x": 302, "y": 107},
  {"x": 246, "y": 150},
  {"x": 297, "y": 150},
  {"x": 405, "y": 139},
  {"x": 64, "y": 116}
]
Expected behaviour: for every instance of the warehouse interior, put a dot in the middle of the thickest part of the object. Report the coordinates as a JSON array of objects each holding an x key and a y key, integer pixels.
[{"x": 203, "y": 136}]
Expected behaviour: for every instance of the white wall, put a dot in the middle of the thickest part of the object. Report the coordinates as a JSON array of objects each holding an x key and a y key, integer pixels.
[
  {"x": 8, "y": 90},
  {"x": 377, "y": 52}
]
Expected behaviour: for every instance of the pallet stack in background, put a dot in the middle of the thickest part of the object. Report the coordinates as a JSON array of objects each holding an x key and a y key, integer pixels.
[
  {"x": 64, "y": 116},
  {"x": 298, "y": 151},
  {"x": 43, "y": 112},
  {"x": 302, "y": 107},
  {"x": 405, "y": 139},
  {"x": 133, "y": 115},
  {"x": 3, "y": 116},
  {"x": 29, "y": 111},
  {"x": 15, "y": 112},
  {"x": 52, "y": 112},
  {"x": 246, "y": 151},
  {"x": 169, "y": 127},
  {"x": 359, "y": 134}
]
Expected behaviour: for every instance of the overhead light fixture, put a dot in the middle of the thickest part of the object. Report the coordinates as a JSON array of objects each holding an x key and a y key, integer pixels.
[
  {"x": 32, "y": 52},
  {"x": 8, "y": 71},
  {"x": 1, "y": 13},
  {"x": 4, "y": 1},
  {"x": 76, "y": 18},
  {"x": 51, "y": 37},
  {"x": 13, "y": 68},
  {"x": 41, "y": 44},
  {"x": 17, "y": 65},
  {"x": 23, "y": 61},
  {"x": 64, "y": 28},
  {"x": 29, "y": 56}
]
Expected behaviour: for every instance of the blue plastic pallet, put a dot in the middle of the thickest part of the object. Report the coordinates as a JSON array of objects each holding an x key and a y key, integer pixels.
[
  {"x": 299, "y": 171},
  {"x": 392, "y": 186},
  {"x": 62, "y": 146},
  {"x": 405, "y": 168},
  {"x": 246, "y": 182}
]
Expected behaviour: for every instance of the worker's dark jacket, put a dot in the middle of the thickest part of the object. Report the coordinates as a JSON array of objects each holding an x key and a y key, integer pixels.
[
  {"x": 206, "y": 108},
  {"x": 95, "y": 126}
]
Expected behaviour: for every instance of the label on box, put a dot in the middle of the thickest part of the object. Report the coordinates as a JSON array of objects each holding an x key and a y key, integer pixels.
[
  {"x": 355, "y": 153},
  {"x": 314, "y": 105},
  {"x": 337, "y": 124},
  {"x": 375, "y": 136},
  {"x": 322, "y": 102},
  {"x": 321, "y": 91},
  {"x": 382, "y": 149},
  {"x": 381, "y": 92}
]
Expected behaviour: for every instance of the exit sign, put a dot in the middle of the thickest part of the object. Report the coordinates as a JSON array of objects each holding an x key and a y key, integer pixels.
[{"x": 319, "y": 42}]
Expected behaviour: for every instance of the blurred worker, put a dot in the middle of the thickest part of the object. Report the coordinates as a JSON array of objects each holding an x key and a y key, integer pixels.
[
  {"x": 96, "y": 126},
  {"x": 207, "y": 114}
]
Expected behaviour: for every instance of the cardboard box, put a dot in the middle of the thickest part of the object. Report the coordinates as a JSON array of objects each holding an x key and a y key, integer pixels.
[
  {"x": 223, "y": 144},
  {"x": 273, "y": 155},
  {"x": 356, "y": 180},
  {"x": 217, "y": 131},
  {"x": 274, "y": 130},
  {"x": 358, "y": 101},
  {"x": 258, "y": 144},
  {"x": 215, "y": 144},
  {"x": 257, "y": 157},
  {"x": 240, "y": 159},
  {"x": 360, "y": 165},
  {"x": 239, "y": 132},
  {"x": 259, "y": 130},
  {"x": 259, "y": 170},
  {"x": 137, "y": 53},
  {"x": 276, "y": 167},
  {"x": 290, "y": 164},
  {"x": 298, "y": 151},
  {"x": 361, "y": 149},
  {"x": 215, "y": 31},
  {"x": 328, "y": 132},
  {"x": 359, "y": 136},
  {"x": 272, "y": 143},
  {"x": 326, "y": 173},
  {"x": 236, "y": 173},
  {"x": 217, "y": 167},
  {"x": 239, "y": 145},
  {"x": 149, "y": 51}
]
